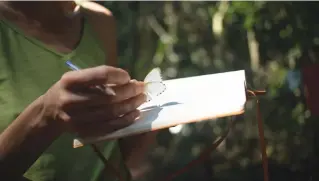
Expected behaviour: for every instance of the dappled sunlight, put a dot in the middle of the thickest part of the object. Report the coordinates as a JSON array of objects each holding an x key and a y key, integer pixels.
[{"x": 269, "y": 40}]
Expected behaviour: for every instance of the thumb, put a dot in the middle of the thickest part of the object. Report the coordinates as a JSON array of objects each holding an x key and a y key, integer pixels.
[
  {"x": 87, "y": 7},
  {"x": 99, "y": 75}
]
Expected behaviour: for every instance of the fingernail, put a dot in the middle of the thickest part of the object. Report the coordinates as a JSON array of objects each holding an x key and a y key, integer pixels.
[
  {"x": 110, "y": 91},
  {"x": 133, "y": 80}
]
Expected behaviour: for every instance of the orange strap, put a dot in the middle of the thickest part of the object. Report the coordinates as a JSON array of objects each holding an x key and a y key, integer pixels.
[
  {"x": 206, "y": 153},
  {"x": 261, "y": 134},
  {"x": 202, "y": 157}
]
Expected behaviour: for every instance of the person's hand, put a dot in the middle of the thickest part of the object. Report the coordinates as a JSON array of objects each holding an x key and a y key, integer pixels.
[{"x": 77, "y": 107}]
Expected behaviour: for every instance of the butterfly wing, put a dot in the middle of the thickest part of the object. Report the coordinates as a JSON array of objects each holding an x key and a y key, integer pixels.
[
  {"x": 153, "y": 89},
  {"x": 154, "y": 85},
  {"x": 154, "y": 76}
]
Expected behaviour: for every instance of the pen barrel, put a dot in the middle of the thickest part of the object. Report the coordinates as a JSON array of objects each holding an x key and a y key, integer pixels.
[{"x": 106, "y": 90}]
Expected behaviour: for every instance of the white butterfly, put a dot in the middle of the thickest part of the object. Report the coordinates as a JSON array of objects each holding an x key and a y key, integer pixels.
[{"x": 154, "y": 84}]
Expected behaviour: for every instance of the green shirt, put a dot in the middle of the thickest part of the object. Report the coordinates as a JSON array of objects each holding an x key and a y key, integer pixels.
[{"x": 28, "y": 68}]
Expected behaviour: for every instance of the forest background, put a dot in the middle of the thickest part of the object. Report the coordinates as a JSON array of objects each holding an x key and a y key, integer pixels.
[{"x": 271, "y": 41}]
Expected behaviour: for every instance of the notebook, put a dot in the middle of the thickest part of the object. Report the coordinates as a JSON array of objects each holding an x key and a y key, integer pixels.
[{"x": 186, "y": 100}]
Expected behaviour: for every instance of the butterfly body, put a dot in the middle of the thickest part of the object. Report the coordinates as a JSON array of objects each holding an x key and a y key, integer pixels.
[{"x": 154, "y": 85}]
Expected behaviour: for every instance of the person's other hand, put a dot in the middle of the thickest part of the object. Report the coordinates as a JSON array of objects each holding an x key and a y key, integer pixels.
[{"x": 76, "y": 107}]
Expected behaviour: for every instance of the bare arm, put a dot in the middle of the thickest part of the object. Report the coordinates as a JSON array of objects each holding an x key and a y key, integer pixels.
[
  {"x": 25, "y": 140},
  {"x": 104, "y": 25},
  {"x": 61, "y": 109}
]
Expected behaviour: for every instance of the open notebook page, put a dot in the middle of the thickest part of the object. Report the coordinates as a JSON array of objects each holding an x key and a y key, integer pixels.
[{"x": 186, "y": 100}]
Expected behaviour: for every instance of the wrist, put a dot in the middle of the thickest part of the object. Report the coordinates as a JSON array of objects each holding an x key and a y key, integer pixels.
[{"x": 46, "y": 119}]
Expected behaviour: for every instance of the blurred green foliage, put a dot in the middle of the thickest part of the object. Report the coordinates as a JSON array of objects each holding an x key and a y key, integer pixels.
[{"x": 270, "y": 40}]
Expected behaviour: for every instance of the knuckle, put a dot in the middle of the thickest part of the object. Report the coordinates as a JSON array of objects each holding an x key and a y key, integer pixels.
[
  {"x": 125, "y": 121},
  {"x": 139, "y": 100},
  {"x": 131, "y": 105},
  {"x": 130, "y": 117},
  {"x": 126, "y": 108},
  {"x": 104, "y": 72},
  {"x": 135, "y": 89},
  {"x": 123, "y": 109},
  {"x": 115, "y": 111},
  {"x": 125, "y": 73},
  {"x": 129, "y": 90},
  {"x": 136, "y": 102},
  {"x": 127, "y": 118},
  {"x": 105, "y": 69},
  {"x": 66, "y": 78},
  {"x": 65, "y": 117},
  {"x": 64, "y": 100}
]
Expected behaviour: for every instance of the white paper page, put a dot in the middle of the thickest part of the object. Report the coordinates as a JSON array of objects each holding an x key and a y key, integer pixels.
[{"x": 188, "y": 100}]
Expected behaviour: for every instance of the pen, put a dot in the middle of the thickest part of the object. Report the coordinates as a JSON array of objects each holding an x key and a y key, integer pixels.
[{"x": 103, "y": 88}]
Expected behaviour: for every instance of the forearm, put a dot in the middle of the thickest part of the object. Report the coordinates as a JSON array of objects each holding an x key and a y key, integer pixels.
[
  {"x": 25, "y": 140},
  {"x": 135, "y": 148}
]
